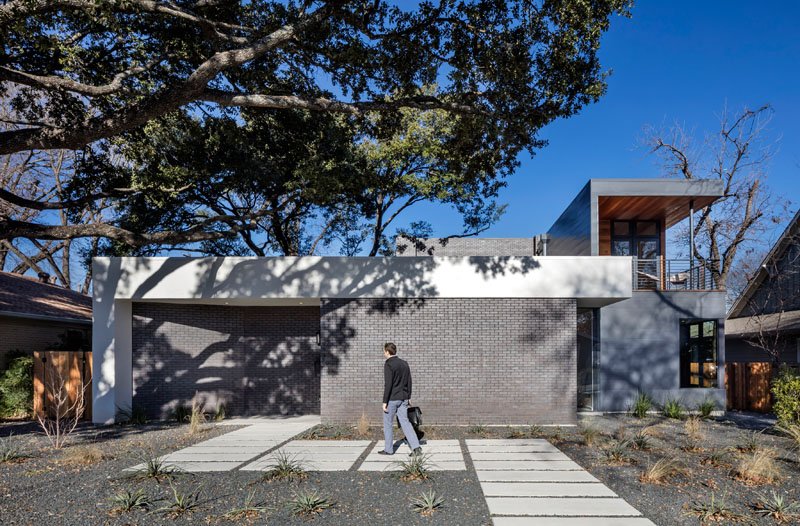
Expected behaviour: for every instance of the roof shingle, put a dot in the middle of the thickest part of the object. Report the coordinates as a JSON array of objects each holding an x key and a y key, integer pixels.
[{"x": 28, "y": 296}]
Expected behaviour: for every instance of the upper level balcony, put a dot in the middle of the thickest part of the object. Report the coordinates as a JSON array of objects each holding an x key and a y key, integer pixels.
[
  {"x": 630, "y": 218},
  {"x": 674, "y": 274}
]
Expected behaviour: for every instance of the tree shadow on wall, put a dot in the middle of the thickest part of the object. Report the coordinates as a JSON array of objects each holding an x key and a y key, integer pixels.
[{"x": 251, "y": 360}]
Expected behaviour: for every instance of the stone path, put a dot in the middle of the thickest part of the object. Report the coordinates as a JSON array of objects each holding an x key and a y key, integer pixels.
[
  {"x": 445, "y": 455},
  {"x": 228, "y": 451},
  {"x": 532, "y": 483},
  {"x": 315, "y": 455},
  {"x": 525, "y": 482}
]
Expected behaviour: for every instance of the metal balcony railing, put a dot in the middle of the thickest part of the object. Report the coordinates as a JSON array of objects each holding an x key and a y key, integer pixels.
[{"x": 673, "y": 274}]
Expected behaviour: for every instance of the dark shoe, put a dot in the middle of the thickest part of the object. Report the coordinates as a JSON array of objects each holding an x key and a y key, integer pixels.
[
  {"x": 417, "y": 452},
  {"x": 383, "y": 452}
]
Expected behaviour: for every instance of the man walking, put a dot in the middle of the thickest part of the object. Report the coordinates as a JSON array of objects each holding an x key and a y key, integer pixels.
[{"x": 396, "y": 394}]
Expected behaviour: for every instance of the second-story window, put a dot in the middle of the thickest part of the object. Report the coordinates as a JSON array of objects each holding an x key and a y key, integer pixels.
[{"x": 636, "y": 238}]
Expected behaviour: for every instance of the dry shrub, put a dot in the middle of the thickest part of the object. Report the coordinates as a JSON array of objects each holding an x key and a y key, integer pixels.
[
  {"x": 694, "y": 434},
  {"x": 759, "y": 467},
  {"x": 661, "y": 471},
  {"x": 64, "y": 412},
  {"x": 83, "y": 456},
  {"x": 198, "y": 418},
  {"x": 363, "y": 425}
]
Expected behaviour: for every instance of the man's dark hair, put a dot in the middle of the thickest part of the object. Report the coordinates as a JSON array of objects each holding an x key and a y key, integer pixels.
[{"x": 390, "y": 348}]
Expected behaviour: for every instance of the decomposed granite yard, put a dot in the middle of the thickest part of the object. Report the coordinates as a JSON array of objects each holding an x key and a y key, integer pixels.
[{"x": 610, "y": 470}]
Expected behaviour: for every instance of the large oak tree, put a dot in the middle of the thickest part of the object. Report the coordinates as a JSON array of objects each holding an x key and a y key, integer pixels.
[{"x": 85, "y": 74}]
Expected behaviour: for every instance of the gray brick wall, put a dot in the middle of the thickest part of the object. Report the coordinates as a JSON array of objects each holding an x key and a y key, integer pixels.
[
  {"x": 255, "y": 360},
  {"x": 488, "y": 361},
  {"x": 469, "y": 246}
]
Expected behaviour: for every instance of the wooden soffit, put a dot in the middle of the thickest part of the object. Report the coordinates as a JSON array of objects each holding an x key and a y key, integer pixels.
[{"x": 667, "y": 209}]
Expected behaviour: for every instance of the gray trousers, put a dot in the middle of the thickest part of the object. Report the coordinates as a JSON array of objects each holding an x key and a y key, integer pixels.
[{"x": 399, "y": 407}]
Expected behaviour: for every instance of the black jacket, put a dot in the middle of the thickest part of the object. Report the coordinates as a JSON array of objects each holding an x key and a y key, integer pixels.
[{"x": 396, "y": 380}]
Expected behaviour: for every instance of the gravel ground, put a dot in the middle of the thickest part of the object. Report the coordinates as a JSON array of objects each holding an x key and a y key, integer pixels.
[
  {"x": 665, "y": 504},
  {"x": 49, "y": 488}
]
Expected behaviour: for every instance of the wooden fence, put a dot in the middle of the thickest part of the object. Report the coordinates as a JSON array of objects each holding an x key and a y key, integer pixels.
[
  {"x": 748, "y": 386},
  {"x": 73, "y": 368}
]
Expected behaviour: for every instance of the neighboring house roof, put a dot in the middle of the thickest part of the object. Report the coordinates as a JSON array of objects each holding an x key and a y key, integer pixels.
[
  {"x": 786, "y": 322},
  {"x": 775, "y": 253},
  {"x": 26, "y": 297}
]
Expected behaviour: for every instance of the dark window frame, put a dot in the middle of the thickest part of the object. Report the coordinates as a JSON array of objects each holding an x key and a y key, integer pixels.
[
  {"x": 634, "y": 237},
  {"x": 702, "y": 379}
]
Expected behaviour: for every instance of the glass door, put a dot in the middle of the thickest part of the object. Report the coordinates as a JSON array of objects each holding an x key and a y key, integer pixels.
[{"x": 587, "y": 359}]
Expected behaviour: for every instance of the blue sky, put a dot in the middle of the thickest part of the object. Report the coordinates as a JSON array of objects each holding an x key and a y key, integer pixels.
[{"x": 672, "y": 61}]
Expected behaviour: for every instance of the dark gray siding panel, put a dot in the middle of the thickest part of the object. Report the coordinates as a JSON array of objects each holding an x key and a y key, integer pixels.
[
  {"x": 254, "y": 360},
  {"x": 571, "y": 234},
  {"x": 738, "y": 350},
  {"x": 488, "y": 361},
  {"x": 640, "y": 347}
]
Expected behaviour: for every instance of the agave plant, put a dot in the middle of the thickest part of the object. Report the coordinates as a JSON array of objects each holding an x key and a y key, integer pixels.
[{"x": 427, "y": 502}]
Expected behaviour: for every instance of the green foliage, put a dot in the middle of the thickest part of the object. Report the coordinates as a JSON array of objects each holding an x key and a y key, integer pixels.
[
  {"x": 285, "y": 467},
  {"x": 251, "y": 508},
  {"x": 777, "y": 506},
  {"x": 786, "y": 391},
  {"x": 617, "y": 452},
  {"x": 427, "y": 502},
  {"x": 712, "y": 510},
  {"x": 155, "y": 468},
  {"x": 181, "y": 503},
  {"x": 750, "y": 442},
  {"x": 381, "y": 135},
  {"x": 641, "y": 440},
  {"x": 673, "y": 408},
  {"x": 128, "y": 500},
  {"x": 10, "y": 449},
  {"x": 706, "y": 407},
  {"x": 16, "y": 388},
  {"x": 641, "y": 405},
  {"x": 308, "y": 503},
  {"x": 417, "y": 467}
]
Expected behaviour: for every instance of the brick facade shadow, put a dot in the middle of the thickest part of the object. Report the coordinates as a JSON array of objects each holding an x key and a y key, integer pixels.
[{"x": 254, "y": 360}]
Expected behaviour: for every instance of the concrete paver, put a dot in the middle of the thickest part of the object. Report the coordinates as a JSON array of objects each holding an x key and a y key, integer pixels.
[
  {"x": 315, "y": 455},
  {"x": 229, "y": 451},
  {"x": 572, "y": 521},
  {"x": 545, "y": 489},
  {"x": 563, "y": 506},
  {"x": 532, "y": 483},
  {"x": 444, "y": 455}
]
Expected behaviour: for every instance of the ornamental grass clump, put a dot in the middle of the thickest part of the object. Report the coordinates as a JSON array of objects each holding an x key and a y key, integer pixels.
[
  {"x": 308, "y": 503},
  {"x": 706, "y": 408},
  {"x": 757, "y": 468},
  {"x": 672, "y": 408},
  {"x": 417, "y": 467},
  {"x": 663, "y": 470},
  {"x": 362, "y": 426},
  {"x": 181, "y": 503},
  {"x": 750, "y": 442},
  {"x": 641, "y": 440},
  {"x": 778, "y": 507},
  {"x": 694, "y": 434},
  {"x": 427, "y": 502},
  {"x": 128, "y": 500},
  {"x": 641, "y": 405},
  {"x": 712, "y": 510},
  {"x": 285, "y": 467},
  {"x": 617, "y": 452},
  {"x": 11, "y": 450},
  {"x": 250, "y": 510},
  {"x": 590, "y": 436},
  {"x": 155, "y": 468}
]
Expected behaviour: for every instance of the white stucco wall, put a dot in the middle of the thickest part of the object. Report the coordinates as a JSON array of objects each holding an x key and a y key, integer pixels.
[{"x": 594, "y": 281}]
